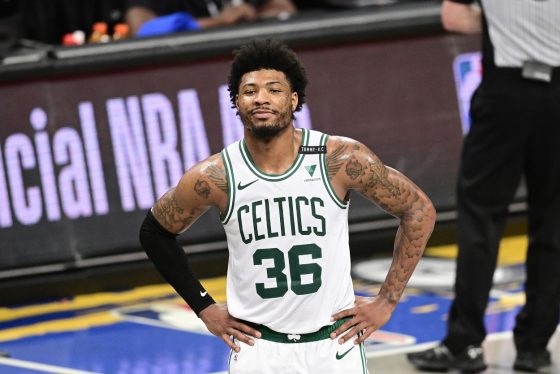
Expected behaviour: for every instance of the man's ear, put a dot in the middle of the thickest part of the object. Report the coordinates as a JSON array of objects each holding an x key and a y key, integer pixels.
[{"x": 295, "y": 101}]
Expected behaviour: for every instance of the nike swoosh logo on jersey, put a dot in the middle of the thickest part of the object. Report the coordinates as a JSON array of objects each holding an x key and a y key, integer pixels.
[
  {"x": 202, "y": 294},
  {"x": 244, "y": 186},
  {"x": 340, "y": 356}
]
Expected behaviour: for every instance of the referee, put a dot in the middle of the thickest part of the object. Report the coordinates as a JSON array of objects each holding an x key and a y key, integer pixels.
[{"x": 515, "y": 133}]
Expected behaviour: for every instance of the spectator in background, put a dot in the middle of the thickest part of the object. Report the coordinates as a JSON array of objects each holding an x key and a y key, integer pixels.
[
  {"x": 47, "y": 21},
  {"x": 10, "y": 26},
  {"x": 206, "y": 13},
  {"x": 515, "y": 131}
]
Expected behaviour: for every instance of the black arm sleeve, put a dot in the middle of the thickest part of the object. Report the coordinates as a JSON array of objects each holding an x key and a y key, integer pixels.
[{"x": 171, "y": 261}]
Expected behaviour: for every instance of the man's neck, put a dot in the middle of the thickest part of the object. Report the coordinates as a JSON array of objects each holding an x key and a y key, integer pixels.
[{"x": 276, "y": 155}]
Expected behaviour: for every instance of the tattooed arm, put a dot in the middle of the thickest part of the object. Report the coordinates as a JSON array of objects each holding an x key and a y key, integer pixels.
[
  {"x": 352, "y": 166},
  {"x": 201, "y": 187}
]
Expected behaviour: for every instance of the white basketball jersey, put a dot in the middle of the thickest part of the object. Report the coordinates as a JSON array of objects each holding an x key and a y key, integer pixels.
[{"x": 289, "y": 258}]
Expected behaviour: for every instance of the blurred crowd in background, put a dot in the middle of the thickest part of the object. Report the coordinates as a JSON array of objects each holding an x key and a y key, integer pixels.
[{"x": 70, "y": 22}]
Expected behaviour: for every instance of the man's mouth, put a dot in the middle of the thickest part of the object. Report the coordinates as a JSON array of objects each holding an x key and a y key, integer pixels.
[{"x": 262, "y": 113}]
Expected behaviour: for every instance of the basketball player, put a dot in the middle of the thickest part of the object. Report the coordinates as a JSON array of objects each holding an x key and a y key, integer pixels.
[{"x": 283, "y": 194}]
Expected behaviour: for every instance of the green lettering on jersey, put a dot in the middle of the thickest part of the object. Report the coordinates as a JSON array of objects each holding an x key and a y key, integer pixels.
[
  {"x": 316, "y": 201},
  {"x": 297, "y": 271},
  {"x": 269, "y": 232},
  {"x": 306, "y": 216},
  {"x": 248, "y": 239},
  {"x": 256, "y": 220},
  {"x": 275, "y": 272},
  {"x": 301, "y": 200},
  {"x": 292, "y": 222},
  {"x": 279, "y": 201}
]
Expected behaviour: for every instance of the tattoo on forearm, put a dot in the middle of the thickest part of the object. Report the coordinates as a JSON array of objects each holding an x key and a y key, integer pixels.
[
  {"x": 218, "y": 177},
  {"x": 414, "y": 231},
  {"x": 202, "y": 188},
  {"x": 396, "y": 279}
]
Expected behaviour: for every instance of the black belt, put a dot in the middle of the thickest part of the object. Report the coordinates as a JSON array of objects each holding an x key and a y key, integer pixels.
[{"x": 514, "y": 75}]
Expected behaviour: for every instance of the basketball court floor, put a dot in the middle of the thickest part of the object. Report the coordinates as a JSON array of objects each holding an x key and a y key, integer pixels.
[{"x": 150, "y": 330}]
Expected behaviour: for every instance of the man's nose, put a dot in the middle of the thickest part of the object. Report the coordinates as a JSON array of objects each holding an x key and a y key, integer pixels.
[{"x": 261, "y": 97}]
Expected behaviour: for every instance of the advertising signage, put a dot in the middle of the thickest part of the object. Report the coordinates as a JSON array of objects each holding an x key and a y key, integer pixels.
[{"x": 83, "y": 157}]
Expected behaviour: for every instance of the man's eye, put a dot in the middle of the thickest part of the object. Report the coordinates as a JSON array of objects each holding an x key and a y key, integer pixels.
[{"x": 249, "y": 92}]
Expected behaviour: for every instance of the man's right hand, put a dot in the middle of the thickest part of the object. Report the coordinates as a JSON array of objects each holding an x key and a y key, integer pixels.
[{"x": 219, "y": 322}]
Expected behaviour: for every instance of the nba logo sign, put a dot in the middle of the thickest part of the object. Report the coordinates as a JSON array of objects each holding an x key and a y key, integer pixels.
[{"x": 467, "y": 69}]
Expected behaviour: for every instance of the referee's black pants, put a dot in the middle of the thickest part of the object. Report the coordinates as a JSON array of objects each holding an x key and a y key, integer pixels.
[{"x": 515, "y": 133}]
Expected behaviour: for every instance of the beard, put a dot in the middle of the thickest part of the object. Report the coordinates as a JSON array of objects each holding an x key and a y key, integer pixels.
[{"x": 267, "y": 130}]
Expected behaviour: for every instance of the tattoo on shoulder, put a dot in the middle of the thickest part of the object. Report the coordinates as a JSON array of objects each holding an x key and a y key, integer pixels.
[
  {"x": 354, "y": 169},
  {"x": 218, "y": 177},
  {"x": 335, "y": 160}
]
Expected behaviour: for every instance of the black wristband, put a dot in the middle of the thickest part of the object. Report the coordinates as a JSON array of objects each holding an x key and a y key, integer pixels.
[{"x": 171, "y": 261}]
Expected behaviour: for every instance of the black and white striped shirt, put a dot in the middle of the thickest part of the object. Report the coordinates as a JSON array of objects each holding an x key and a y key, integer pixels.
[{"x": 521, "y": 30}]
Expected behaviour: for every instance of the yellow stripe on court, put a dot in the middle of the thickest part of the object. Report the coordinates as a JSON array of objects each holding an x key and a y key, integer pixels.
[
  {"x": 513, "y": 250},
  {"x": 61, "y": 325},
  {"x": 86, "y": 301},
  {"x": 215, "y": 286},
  {"x": 506, "y": 303},
  {"x": 424, "y": 309}
]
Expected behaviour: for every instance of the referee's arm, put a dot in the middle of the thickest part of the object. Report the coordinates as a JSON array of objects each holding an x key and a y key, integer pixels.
[{"x": 461, "y": 16}]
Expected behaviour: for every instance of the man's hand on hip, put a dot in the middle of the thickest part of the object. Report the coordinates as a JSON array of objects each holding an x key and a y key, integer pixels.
[
  {"x": 367, "y": 315},
  {"x": 219, "y": 322}
]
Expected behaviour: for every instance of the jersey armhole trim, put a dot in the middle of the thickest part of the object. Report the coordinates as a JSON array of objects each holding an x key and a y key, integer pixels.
[
  {"x": 325, "y": 176},
  {"x": 231, "y": 187}
]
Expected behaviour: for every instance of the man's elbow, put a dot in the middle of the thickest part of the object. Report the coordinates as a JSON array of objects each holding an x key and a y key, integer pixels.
[
  {"x": 461, "y": 18},
  {"x": 450, "y": 24},
  {"x": 461, "y": 26},
  {"x": 428, "y": 214},
  {"x": 432, "y": 213},
  {"x": 452, "y": 19}
]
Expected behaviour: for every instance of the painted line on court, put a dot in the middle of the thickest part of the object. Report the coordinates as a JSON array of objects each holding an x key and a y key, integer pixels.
[
  {"x": 41, "y": 367},
  {"x": 428, "y": 345},
  {"x": 160, "y": 324},
  {"x": 399, "y": 350}
]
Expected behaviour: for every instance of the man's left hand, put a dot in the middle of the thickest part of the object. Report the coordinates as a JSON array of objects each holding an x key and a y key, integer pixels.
[{"x": 367, "y": 315}]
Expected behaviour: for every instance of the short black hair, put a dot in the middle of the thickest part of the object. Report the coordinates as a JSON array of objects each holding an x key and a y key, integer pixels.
[{"x": 267, "y": 54}]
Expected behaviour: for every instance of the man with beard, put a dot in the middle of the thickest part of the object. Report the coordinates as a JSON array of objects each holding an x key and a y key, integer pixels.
[{"x": 283, "y": 195}]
